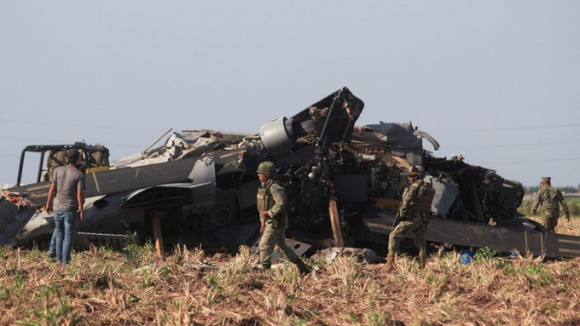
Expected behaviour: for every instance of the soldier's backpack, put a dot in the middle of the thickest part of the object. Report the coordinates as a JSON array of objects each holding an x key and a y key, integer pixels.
[{"x": 425, "y": 198}]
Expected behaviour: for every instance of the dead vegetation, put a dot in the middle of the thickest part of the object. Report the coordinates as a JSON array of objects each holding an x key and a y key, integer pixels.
[{"x": 133, "y": 287}]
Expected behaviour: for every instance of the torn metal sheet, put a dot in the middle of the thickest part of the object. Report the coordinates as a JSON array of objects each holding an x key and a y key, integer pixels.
[
  {"x": 446, "y": 194},
  {"x": 300, "y": 248},
  {"x": 85, "y": 240},
  {"x": 328, "y": 255},
  {"x": 12, "y": 219}
]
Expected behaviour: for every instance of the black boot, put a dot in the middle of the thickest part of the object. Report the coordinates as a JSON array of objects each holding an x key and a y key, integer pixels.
[{"x": 303, "y": 268}]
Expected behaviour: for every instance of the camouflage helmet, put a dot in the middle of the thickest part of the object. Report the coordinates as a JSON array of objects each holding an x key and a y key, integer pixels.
[
  {"x": 417, "y": 171},
  {"x": 267, "y": 168},
  {"x": 546, "y": 180}
]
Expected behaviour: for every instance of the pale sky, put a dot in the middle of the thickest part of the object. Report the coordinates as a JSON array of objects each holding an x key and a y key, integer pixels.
[{"x": 497, "y": 81}]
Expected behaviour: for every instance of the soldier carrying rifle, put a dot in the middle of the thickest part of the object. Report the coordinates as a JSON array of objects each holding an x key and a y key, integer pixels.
[{"x": 413, "y": 216}]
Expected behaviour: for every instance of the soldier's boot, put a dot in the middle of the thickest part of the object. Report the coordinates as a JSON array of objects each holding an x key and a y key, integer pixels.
[
  {"x": 421, "y": 262},
  {"x": 390, "y": 264},
  {"x": 302, "y": 267},
  {"x": 266, "y": 266},
  {"x": 422, "y": 258}
]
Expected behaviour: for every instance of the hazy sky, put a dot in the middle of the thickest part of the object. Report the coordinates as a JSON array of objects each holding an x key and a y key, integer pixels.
[{"x": 497, "y": 81}]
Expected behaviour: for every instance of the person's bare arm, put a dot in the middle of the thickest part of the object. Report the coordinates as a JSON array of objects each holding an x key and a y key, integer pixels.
[
  {"x": 81, "y": 201},
  {"x": 48, "y": 206}
]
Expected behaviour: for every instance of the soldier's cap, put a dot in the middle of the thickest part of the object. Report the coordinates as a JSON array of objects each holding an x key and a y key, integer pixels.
[
  {"x": 546, "y": 179},
  {"x": 72, "y": 154}
]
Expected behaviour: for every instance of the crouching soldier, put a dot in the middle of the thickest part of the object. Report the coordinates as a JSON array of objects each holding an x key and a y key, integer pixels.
[
  {"x": 271, "y": 202},
  {"x": 413, "y": 216}
]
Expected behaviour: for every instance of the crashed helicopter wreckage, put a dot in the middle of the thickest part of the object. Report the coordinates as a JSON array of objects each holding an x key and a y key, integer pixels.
[{"x": 344, "y": 183}]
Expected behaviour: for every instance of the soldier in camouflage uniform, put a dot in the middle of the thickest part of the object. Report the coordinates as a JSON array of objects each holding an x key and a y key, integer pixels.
[
  {"x": 413, "y": 216},
  {"x": 271, "y": 202},
  {"x": 549, "y": 198}
]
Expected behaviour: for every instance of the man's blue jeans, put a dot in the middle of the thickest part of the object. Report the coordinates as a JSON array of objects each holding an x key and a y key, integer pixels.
[
  {"x": 65, "y": 226},
  {"x": 52, "y": 247}
]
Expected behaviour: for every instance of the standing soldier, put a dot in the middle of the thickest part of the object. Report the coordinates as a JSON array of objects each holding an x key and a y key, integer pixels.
[
  {"x": 548, "y": 198},
  {"x": 271, "y": 202},
  {"x": 413, "y": 216}
]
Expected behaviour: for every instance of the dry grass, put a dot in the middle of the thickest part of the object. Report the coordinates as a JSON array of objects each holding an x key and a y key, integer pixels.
[
  {"x": 564, "y": 227},
  {"x": 103, "y": 287}
]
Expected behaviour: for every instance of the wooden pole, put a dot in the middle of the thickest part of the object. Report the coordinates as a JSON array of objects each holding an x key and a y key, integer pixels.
[
  {"x": 157, "y": 237},
  {"x": 335, "y": 222}
]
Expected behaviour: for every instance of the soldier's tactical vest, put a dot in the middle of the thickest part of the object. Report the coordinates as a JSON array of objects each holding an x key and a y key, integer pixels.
[
  {"x": 425, "y": 196},
  {"x": 265, "y": 201},
  {"x": 420, "y": 206}
]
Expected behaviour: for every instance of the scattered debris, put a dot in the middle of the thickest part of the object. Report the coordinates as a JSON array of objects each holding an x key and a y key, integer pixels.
[{"x": 363, "y": 254}]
